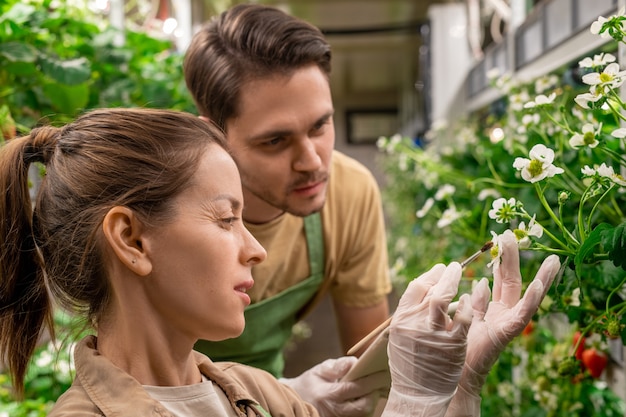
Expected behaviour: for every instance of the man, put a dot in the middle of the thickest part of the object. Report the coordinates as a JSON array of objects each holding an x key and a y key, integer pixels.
[{"x": 263, "y": 77}]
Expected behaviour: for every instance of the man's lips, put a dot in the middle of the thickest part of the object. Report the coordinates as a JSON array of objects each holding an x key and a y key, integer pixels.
[
  {"x": 311, "y": 184},
  {"x": 307, "y": 186}
]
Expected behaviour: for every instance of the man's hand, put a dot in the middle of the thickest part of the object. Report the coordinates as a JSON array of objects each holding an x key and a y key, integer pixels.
[
  {"x": 498, "y": 321},
  {"x": 321, "y": 386}
]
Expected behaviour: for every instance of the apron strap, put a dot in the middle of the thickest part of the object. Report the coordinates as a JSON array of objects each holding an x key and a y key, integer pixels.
[{"x": 315, "y": 243}]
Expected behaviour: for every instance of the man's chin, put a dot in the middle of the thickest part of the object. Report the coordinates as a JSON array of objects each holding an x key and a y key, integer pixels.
[{"x": 304, "y": 210}]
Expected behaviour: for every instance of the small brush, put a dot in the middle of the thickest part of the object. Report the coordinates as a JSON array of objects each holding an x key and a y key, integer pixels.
[
  {"x": 487, "y": 246},
  {"x": 385, "y": 325}
]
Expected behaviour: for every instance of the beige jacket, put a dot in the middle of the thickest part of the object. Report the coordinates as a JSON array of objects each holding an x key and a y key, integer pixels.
[{"x": 102, "y": 389}]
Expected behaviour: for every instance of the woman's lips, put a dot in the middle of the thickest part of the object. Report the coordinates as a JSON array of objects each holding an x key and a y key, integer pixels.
[{"x": 242, "y": 290}]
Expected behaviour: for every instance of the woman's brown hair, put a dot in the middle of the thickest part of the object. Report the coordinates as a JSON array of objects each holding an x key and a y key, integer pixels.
[{"x": 138, "y": 158}]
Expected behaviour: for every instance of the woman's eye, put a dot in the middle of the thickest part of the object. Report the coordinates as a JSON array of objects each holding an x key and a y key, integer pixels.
[{"x": 230, "y": 221}]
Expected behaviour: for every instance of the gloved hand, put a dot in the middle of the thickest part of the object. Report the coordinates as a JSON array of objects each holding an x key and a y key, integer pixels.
[
  {"x": 321, "y": 386},
  {"x": 426, "y": 347},
  {"x": 498, "y": 322}
]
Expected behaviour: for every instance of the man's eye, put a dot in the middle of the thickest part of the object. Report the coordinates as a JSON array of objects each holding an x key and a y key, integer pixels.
[
  {"x": 321, "y": 126},
  {"x": 274, "y": 141}
]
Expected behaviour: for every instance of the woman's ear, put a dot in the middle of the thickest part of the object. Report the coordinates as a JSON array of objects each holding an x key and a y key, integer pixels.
[{"x": 124, "y": 232}]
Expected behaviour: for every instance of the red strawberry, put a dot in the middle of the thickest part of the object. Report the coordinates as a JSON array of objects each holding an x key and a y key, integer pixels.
[
  {"x": 595, "y": 361},
  {"x": 529, "y": 328}
]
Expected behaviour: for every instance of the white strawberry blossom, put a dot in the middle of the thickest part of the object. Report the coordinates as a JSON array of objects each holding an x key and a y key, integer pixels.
[
  {"x": 545, "y": 82},
  {"x": 495, "y": 251},
  {"x": 517, "y": 101},
  {"x": 523, "y": 233},
  {"x": 619, "y": 133},
  {"x": 587, "y": 171},
  {"x": 503, "y": 210},
  {"x": 587, "y": 138},
  {"x": 584, "y": 99},
  {"x": 428, "y": 204},
  {"x": 604, "y": 171},
  {"x": 488, "y": 192},
  {"x": 540, "y": 100},
  {"x": 445, "y": 191},
  {"x": 449, "y": 216},
  {"x": 599, "y": 60},
  {"x": 610, "y": 77},
  {"x": 596, "y": 26},
  {"x": 539, "y": 166}
]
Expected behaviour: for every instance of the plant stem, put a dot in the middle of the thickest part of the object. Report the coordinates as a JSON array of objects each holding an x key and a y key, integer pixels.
[{"x": 558, "y": 222}]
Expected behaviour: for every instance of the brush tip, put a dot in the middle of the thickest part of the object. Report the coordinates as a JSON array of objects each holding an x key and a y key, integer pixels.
[{"x": 487, "y": 246}]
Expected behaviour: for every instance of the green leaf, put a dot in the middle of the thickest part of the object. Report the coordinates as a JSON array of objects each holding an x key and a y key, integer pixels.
[
  {"x": 589, "y": 245},
  {"x": 21, "y": 68},
  {"x": 71, "y": 72},
  {"x": 20, "y": 13},
  {"x": 18, "y": 52},
  {"x": 614, "y": 242},
  {"x": 67, "y": 99}
]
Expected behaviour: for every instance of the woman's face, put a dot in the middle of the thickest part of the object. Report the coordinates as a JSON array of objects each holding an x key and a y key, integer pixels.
[{"x": 202, "y": 259}]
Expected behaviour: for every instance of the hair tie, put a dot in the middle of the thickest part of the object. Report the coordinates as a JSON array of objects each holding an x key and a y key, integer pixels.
[{"x": 41, "y": 144}]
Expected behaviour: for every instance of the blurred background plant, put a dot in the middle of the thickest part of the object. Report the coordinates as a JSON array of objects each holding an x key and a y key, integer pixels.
[
  {"x": 49, "y": 375},
  {"x": 546, "y": 160},
  {"x": 58, "y": 59}
]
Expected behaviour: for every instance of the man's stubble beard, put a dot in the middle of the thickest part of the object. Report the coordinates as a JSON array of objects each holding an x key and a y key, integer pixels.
[{"x": 283, "y": 204}]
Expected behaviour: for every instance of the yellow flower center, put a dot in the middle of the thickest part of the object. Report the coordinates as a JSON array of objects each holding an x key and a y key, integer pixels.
[
  {"x": 535, "y": 168},
  {"x": 605, "y": 78},
  {"x": 589, "y": 138},
  {"x": 520, "y": 234}
]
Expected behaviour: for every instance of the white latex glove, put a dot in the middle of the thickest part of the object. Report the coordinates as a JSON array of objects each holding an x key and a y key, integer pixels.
[
  {"x": 498, "y": 322},
  {"x": 321, "y": 386},
  {"x": 426, "y": 347}
]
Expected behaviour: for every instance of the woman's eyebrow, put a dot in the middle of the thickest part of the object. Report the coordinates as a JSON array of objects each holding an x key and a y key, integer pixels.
[{"x": 234, "y": 202}]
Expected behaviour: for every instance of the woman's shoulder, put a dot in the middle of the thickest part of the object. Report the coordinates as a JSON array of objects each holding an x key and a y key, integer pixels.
[{"x": 75, "y": 402}]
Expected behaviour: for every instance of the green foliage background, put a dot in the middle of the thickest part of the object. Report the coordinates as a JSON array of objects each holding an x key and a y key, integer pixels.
[
  {"x": 589, "y": 294},
  {"x": 58, "y": 61}
]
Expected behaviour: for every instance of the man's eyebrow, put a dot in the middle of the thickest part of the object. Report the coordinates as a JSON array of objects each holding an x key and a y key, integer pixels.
[{"x": 281, "y": 133}]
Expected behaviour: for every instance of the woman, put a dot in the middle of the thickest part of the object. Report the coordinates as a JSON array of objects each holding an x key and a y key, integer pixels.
[{"x": 137, "y": 226}]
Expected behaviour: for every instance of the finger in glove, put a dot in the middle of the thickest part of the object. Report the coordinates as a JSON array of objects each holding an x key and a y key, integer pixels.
[
  {"x": 442, "y": 295},
  {"x": 419, "y": 287},
  {"x": 507, "y": 279}
]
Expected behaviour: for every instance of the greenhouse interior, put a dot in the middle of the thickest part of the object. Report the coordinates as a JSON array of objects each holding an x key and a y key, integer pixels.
[{"x": 474, "y": 122}]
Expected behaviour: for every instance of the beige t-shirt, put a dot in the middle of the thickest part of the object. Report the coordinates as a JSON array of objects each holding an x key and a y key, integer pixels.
[
  {"x": 197, "y": 400},
  {"x": 356, "y": 264}
]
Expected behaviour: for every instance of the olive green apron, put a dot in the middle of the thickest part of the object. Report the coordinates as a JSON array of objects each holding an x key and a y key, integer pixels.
[{"x": 269, "y": 322}]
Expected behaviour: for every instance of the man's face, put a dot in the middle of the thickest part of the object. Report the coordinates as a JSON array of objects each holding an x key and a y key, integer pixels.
[{"x": 282, "y": 142}]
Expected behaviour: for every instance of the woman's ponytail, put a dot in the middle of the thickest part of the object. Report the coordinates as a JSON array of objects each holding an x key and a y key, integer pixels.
[{"x": 24, "y": 301}]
